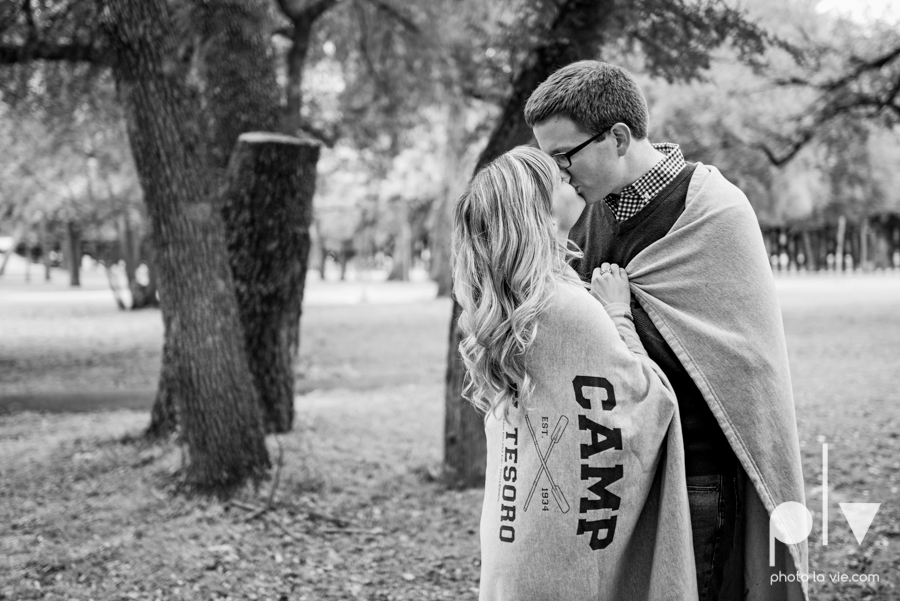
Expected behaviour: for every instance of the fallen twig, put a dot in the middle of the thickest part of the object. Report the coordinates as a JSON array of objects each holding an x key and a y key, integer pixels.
[
  {"x": 373, "y": 531},
  {"x": 282, "y": 527},
  {"x": 255, "y": 514},
  {"x": 339, "y": 522},
  {"x": 256, "y": 511},
  {"x": 242, "y": 505}
]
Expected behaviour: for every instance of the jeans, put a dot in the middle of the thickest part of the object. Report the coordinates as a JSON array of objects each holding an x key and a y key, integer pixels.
[{"x": 714, "y": 505}]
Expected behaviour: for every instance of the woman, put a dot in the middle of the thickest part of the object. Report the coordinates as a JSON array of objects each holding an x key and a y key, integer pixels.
[{"x": 585, "y": 496}]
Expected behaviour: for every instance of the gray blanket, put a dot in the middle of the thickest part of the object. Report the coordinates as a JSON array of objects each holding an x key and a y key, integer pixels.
[
  {"x": 585, "y": 494},
  {"x": 708, "y": 287}
]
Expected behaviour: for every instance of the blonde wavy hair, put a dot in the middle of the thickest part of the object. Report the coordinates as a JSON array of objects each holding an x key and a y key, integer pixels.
[{"x": 506, "y": 259}]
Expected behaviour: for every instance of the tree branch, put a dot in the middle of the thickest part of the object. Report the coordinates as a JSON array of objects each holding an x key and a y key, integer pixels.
[
  {"x": 29, "y": 19},
  {"x": 48, "y": 51},
  {"x": 863, "y": 66},
  {"x": 838, "y": 98},
  {"x": 302, "y": 11},
  {"x": 404, "y": 20}
]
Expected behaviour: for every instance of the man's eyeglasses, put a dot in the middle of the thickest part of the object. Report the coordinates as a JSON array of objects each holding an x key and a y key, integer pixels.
[{"x": 564, "y": 159}]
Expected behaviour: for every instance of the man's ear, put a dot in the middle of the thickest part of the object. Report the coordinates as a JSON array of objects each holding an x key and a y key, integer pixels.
[{"x": 622, "y": 135}]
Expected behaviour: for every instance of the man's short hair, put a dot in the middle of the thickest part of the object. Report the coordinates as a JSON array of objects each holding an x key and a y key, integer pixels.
[{"x": 593, "y": 94}]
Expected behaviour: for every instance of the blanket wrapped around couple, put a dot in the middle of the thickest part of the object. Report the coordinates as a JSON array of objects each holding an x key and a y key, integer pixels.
[
  {"x": 708, "y": 287},
  {"x": 585, "y": 493}
]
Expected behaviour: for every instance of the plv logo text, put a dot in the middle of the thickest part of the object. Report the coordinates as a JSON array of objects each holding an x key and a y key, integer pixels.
[{"x": 791, "y": 522}]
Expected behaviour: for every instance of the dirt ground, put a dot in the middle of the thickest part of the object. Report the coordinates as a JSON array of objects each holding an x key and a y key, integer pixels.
[{"x": 88, "y": 512}]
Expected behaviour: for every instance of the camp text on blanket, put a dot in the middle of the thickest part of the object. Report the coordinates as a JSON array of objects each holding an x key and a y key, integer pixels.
[{"x": 598, "y": 498}]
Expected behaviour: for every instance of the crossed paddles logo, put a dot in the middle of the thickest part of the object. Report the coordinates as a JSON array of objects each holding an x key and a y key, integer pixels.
[{"x": 557, "y": 491}]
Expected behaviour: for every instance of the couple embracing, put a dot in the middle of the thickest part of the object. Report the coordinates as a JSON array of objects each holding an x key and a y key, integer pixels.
[{"x": 622, "y": 335}]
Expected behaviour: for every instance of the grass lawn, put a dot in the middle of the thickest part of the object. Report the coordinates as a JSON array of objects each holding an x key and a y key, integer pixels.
[{"x": 88, "y": 512}]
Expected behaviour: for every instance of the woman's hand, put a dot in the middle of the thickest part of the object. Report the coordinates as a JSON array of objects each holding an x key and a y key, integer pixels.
[{"x": 609, "y": 284}]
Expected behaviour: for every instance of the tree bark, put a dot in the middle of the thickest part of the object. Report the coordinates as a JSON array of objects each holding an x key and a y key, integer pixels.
[
  {"x": 895, "y": 244},
  {"x": 864, "y": 244},
  {"x": 28, "y": 260},
  {"x": 811, "y": 262},
  {"x": 217, "y": 405},
  {"x": 73, "y": 252},
  {"x": 45, "y": 246},
  {"x": 130, "y": 245},
  {"x": 575, "y": 33},
  {"x": 240, "y": 94},
  {"x": 302, "y": 16},
  {"x": 149, "y": 254},
  {"x": 164, "y": 415},
  {"x": 465, "y": 447},
  {"x": 453, "y": 184},
  {"x": 882, "y": 256},
  {"x": 321, "y": 253},
  {"x": 402, "y": 245},
  {"x": 839, "y": 240},
  {"x": 243, "y": 97},
  {"x": 344, "y": 255},
  {"x": 268, "y": 209}
]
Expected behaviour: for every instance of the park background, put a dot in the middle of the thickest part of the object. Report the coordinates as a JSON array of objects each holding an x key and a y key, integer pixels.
[{"x": 350, "y": 468}]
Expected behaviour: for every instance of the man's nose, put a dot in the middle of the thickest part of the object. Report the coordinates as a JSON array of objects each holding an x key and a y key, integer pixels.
[{"x": 566, "y": 176}]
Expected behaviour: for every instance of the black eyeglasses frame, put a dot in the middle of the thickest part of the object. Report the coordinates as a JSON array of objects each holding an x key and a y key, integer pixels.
[{"x": 564, "y": 159}]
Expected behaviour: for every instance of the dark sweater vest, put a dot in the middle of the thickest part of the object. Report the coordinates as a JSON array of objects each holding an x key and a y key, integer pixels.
[{"x": 604, "y": 239}]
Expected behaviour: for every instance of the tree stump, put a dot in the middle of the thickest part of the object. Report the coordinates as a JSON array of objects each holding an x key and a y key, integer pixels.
[{"x": 267, "y": 208}]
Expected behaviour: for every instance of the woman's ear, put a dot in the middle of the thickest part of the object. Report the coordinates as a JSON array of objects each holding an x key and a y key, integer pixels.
[{"x": 622, "y": 135}]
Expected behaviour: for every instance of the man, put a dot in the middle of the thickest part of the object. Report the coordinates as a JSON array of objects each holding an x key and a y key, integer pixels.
[{"x": 684, "y": 232}]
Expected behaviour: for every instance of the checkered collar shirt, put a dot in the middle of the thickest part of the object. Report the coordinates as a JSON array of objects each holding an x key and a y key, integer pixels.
[{"x": 635, "y": 196}]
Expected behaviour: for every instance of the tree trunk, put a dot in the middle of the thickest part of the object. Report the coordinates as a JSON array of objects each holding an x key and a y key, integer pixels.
[
  {"x": 243, "y": 97},
  {"x": 839, "y": 240},
  {"x": 792, "y": 251},
  {"x": 812, "y": 261},
  {"x": 268, "y": 210},
  {"x": 28, "y": 260},
  {"x": 164, "y": 415},
  {"x": 217, "y": 405},
  {"x": 321, "y": 253},
  {"x": 344, "y": 257},
  {"x": 453, "y": 184},
  {"x": 302, "y": 16},
  {"x": 296, "y": 58},
  {"x": 73, "y": 252},
  {"x": 149, "y": 254},
  {"x": 240, "y": 94},
  {"x": 575, "y": 33},
  {"x": 402, "y": 245},
  {"x": 821, "y": 250},
  {"x": 45, "y": 246},
  {"x": 130, "y": 248},
  {"x": 464, "y": 443},
  {"x": 895, "y": 245},
  {"x": 882, "y": 254},
  {"x": 864, "y": 244}
]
